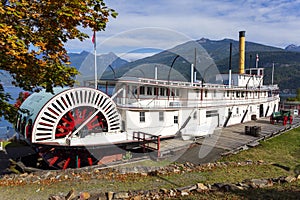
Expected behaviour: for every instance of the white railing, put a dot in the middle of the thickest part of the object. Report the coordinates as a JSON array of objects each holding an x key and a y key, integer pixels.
[{"x": 190, "y": 103}]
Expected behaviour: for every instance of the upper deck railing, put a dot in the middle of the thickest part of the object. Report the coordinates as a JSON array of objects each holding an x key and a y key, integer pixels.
[{"x": 184, "y": 84}]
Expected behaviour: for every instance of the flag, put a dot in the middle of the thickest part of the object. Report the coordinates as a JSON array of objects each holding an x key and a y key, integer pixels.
[{"x": 94, "y": 38}]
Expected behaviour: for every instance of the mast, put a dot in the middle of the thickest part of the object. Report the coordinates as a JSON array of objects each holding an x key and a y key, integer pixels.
[
  {"x": 95, "y": 58},
  {"x": 273, "y": 74},
  {"x": 194, "y": 69}
]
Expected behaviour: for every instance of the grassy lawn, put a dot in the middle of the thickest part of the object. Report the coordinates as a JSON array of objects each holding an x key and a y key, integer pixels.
[
  {"x": 282, "y": 150},
  {"x": 279, "y": 156}
]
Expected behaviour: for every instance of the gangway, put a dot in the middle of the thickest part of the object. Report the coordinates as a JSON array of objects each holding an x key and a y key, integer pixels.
[{"x": 148, "y": 141}]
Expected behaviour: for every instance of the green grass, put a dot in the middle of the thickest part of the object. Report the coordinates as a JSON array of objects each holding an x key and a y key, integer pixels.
[
  {"x": 278, "y": 154},
  {"x": 283, "y": 150}
]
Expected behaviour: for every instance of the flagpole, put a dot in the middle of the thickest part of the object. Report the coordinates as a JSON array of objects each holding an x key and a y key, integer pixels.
[{"x": 95, "y": 55}]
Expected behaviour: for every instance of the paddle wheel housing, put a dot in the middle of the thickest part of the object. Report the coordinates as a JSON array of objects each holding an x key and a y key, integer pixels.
[{"x": 51, "y": 122}]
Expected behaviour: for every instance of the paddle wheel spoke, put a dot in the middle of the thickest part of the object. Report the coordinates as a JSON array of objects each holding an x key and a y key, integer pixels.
[{"x": 66, "y": 164}]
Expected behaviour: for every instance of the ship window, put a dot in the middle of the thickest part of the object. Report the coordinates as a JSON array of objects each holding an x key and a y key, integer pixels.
[
  {"x": 168, "y": 92},
  {"x": 269, "y": 94},
  {"x": 149, "y": 90},
  {"x": 205, "y": 93},
  {"x": 175, "y": 119},
  {"x": 23, "y": 124},
  {"x": 142, "y": 90},
  {"x": 237, "y": 93},
  {"x": 212, "y": 113},
  {"x": 243, "y": 94},
  {"x": 227, "y": 93},
  {"x": 172, "y": 93},
  {"x": 156, "y": 91},
  {"x": 162, "y": 91},
  {"x": 215, "y": 93},
  {"x": 177, "y": 92},
  {"x": 161, "y": 116},
  {"x": 142, "y": 117},
  {"x": 134, "y": 90},
  {"x": 237, "y": 110}
]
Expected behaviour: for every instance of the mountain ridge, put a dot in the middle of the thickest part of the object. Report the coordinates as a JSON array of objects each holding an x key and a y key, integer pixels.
[
  {"x": 293, "y": 47},
  {"x": 287, "y": 63}
]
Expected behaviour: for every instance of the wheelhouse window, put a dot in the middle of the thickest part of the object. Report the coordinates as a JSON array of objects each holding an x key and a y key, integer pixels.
[{"x": 142, "y": 117}]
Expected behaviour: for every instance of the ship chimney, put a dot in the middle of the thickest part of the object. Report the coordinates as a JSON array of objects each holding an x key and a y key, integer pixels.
[{"x": 242, "y": 52}]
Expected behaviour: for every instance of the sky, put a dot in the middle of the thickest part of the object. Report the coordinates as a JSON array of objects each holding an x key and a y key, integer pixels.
[{"x": 161, "y": 24}]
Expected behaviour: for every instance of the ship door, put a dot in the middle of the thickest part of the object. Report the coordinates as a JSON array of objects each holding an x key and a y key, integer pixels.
[{"x": 261, "y": 110}]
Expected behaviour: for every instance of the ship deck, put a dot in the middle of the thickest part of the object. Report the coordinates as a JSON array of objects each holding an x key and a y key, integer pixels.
[{"x": 224, "y": 141}]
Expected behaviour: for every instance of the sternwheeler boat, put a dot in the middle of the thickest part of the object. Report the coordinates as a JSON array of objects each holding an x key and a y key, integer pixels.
[{"x": 75, "y": 127}]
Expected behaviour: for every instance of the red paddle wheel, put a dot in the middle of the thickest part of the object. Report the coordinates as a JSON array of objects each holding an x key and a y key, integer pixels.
[{"x": 73, "y": 119}]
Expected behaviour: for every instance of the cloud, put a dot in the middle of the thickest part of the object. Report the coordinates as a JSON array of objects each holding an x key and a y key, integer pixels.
[
  {"x": 134, "y": 56},
  {"x": 270, "y": 22}
]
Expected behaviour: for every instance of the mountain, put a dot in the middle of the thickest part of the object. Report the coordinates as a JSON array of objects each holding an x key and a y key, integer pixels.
[
  {"x": 85, "y": 64},
  {"x": 77, "y": 58},
  {"x": 5, "y": 78},
  {"x": 212, "y": 57},
  {"x": 293, "y": 47}
]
